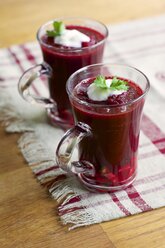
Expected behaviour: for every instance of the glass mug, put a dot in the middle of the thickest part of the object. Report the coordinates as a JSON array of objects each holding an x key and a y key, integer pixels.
[
  {"x": 59, "y": 63},
  {"x": 107, "y": 136}
]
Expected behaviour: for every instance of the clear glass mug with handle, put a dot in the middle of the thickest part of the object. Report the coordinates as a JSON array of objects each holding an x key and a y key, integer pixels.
[
  {"x": 107, "y": 135},
  {"x": 59, "y": 62}
]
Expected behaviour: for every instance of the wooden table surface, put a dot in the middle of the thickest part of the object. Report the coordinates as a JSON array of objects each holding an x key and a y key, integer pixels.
[{"x": 27, "y": 214}]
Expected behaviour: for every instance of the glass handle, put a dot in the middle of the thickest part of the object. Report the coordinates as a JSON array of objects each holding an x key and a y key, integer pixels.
[
  {"x": 66, "y": 147},
  {"x": 26, "y": 81}
]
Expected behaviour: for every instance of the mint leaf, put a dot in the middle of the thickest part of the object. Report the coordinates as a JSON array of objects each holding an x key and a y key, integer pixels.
[
  {"x": 118, "y": 84},
  {"x": 59, "y": 28},
  {"x": 100, "y": 82},
  {"x": 51, "y": 33}
]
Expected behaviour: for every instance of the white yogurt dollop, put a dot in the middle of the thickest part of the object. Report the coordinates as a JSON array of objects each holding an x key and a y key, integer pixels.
[
  {"x": 101, "y": 94},
  {"x": 71, "y": 38}
]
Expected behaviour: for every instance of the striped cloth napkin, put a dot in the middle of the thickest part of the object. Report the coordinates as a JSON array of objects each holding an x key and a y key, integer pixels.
[{"x": 138, "y": 43}]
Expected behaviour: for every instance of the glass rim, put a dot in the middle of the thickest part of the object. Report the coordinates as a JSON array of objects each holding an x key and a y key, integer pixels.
[
  {"x": 73, "y": 49},
  {"x": 70, "y": 93}
]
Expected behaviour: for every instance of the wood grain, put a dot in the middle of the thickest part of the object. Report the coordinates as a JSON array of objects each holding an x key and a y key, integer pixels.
[
  {"x": 28, "y": 215},
  {"x": 20, "y": 18}
]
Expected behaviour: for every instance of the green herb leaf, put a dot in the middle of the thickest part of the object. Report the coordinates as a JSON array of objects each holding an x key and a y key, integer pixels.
[
  {"x": 100, "y": 82},
  {"x": 59, "y": 28},
  {"x": 118, "y": 84},
  {"x": 51, "y": 33}
]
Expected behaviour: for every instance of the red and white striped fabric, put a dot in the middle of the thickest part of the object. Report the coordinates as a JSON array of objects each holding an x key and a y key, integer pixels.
[{"x": 138, "y": 43}]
